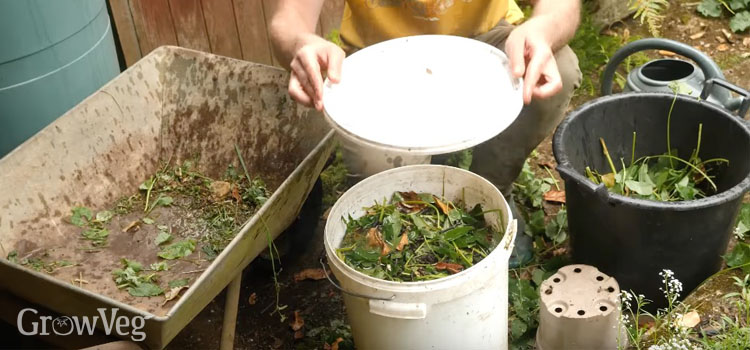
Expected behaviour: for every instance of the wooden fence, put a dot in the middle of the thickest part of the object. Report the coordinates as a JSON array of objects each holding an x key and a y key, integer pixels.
[{"x": 234, "y": 28}]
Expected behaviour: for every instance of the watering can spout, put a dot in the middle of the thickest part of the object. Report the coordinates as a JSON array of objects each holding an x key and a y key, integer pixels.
[{"x": 695, "y": 81}]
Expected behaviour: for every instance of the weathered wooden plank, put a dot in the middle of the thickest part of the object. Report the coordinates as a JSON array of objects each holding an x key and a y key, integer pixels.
[
  {"x": 330, "y": 15},
  {"x": 125, "y": 31},
  {"x": 269, "y": 7},
  {"x": 153, "y": 24},
  {"x": 221, "y": 26},
  {"x": 251, "y": 26},
  {"x": 189, "y": 25}
]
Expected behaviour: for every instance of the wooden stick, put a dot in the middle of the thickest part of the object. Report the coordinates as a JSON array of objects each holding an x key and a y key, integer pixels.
[{"x": 230, "y": 313}]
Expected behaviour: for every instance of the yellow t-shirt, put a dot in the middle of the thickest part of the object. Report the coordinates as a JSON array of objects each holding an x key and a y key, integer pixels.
[{"x": 366, "y": 22}]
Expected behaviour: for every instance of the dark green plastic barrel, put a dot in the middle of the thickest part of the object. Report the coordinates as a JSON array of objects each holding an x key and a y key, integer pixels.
[{"x": 52, "y": 55}]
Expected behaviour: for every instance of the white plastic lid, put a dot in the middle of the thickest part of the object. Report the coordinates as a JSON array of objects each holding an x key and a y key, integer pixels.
[{"x": 427, "y": 94}]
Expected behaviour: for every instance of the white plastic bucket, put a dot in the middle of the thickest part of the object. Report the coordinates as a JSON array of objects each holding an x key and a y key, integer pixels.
[
  {"x": 364, "y": 159},
  {"x": 468, "y": 310}
]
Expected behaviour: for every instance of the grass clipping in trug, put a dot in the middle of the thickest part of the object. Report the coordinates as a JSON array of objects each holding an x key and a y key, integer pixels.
[{"x": 417, "y": 237}]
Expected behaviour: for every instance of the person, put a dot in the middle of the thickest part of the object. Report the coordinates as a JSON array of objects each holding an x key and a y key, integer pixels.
[{"x": 537, "y": 50}]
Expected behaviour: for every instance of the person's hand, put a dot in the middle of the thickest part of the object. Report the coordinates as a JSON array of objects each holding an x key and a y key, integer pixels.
[
  {"x": 313, "y": 56},
  {"x": 530, "y": 52}
]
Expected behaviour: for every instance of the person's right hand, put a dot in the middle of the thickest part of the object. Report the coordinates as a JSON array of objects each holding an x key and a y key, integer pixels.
[{"x": 313, "y": 57}]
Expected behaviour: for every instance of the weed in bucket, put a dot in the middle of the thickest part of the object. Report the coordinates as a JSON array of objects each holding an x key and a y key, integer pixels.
[
  {"x": 417, "y": 237},
  {"x": 665, "y": 177}
]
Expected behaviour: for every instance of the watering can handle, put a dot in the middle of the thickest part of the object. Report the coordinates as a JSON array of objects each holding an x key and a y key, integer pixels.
[
  {"x": 745, "y": 95},
  {"x": 709, "y": 67}
]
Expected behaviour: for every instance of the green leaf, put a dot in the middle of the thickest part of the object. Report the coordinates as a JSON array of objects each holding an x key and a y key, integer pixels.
[
  {"x": 210, "y": 252},
  {"x": 536, "y": 222},
  {"x": 177, "y": 250},
  {"x": 392, "y": 226},
  {"x": 148, "y": 221},
  {"x": 740, "y": 22},
  {"x": 743, "y": 220},
  {"x": 418, "y": 221},
  {"x": 162, "y": 201},
  {"x": 368, "y": 255},
  {"x": 81, "y": 216},
  {"x": 737, "y": 4},
  {"x": 162, "y": 237},
  {"x": 179, "y": 283},
  {"x": 13, "y": 256},
  {"x": 104, "y": 216},
  {"x": 97, "y": 236},
  {"x": 710, "y": 8},
  {"x": 147, "y": 184},
  {"x": 517, "y": 328},
  {"x": 160, "y": 266},
  {"x": 132, "y": 264},
  {"x": 739, "y": 256},
  {"x": 642, "y": 188},
  {"x": 457, "y": 232},
  {"x": 145, "y": 290}
]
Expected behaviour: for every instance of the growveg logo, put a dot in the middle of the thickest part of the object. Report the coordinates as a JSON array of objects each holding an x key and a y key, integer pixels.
[{"x": 111, "y": 323}]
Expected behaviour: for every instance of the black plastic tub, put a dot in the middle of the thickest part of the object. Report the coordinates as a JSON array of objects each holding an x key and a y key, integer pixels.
[{"x": 634, "y": 239}]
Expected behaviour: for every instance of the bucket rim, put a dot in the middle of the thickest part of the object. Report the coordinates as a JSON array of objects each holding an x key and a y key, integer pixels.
[
  {"x": 501, "y": 251},
  {"x": 566, "y": 170}
]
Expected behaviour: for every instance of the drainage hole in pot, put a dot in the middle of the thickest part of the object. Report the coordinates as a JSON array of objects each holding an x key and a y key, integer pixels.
[
  {"x": 603, "y": 308},
  {"x": 611, "y": 289},
  {"x": 556, "y": 280},
  {"x": 600, "y": 278},
  {"x": 581, "y": 312},
  {"x": 548, "y": 291},
  {"x": 577, "y": 270},
  {"x": 558, "y": 310}
]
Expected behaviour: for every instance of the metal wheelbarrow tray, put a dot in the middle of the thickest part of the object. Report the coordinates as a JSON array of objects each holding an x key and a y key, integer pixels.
[{"x": 175, "y": 104}]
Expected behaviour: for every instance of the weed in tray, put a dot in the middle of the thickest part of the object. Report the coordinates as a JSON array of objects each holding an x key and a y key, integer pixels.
[{"x": 417, "y": 237}]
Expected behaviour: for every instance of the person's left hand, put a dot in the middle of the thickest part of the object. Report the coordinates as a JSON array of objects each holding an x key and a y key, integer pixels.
[{"x": 531, "y": 57}]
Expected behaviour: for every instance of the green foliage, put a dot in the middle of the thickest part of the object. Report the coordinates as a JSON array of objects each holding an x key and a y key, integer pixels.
[
  {"x": 138, "y": 285},
  {"x": 460, "y": 159},
  {"x": 738, "y": 9},
  {"x": 177, "y": 250},
  {"x": 592, "y": 49},
  {"x": 742, "y": 226},
  {"x": 523, "y": 316},
  {"x": 334, "y": 179},
  {"x": 93, "y": 226},
  {"x": 739, "y": 256},
  {"x": 81, "y": 216},
  {"x": 529, "y": 189},
  {"x": 417, "y": 237},
  {"x": 160, "y": 266},
  {"x": 650, "y": 12},
  {"x": 162, "y": 237},
  {"x": 328, "y": 335}
]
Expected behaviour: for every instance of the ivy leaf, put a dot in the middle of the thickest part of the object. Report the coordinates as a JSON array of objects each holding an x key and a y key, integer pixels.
[
  {"x": 740, "y": 22},
  {"x": 740, "y": 255},
  {"x": 178, "y": 250},
  {"x": 145, "y": 290},
  {"x": 81, "y": 216},
  {"x": 517, "y": 328},
  {"x": 710, "y": 8}
]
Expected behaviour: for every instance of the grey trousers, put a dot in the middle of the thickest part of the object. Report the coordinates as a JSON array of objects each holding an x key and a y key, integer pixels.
[{"x": 500, "y": 159}]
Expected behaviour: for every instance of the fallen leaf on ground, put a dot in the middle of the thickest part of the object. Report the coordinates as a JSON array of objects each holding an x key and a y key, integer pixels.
[
  {"x": 236, "y": 193},
  {"x": 697, "y": 35},
  {"x": 559, "y": 251},
  {"x": 173, "y": 294},
  {"x": 403, "y": 242},
  {"x": 297, "y": 322},
  {"x": 722, "y": 47},
  {"x": 689, "y": 320},
  {"x": 334, "y": 345},
  {"x": 441, "y": 205},
  {"x": 310, "y": 274},
  {"x": 253, "y": 299},
  {"x": 666, "y": 53},
  {"x": 299, "y": 335},
  {"x": 555, "y": 196},
  {"x": 277, "y": 343},
  {"x": 132, "y": 226},
  {"x": 220, "y": 189},
  {"x": 451, "y": 267},
  {"x": 727, "y": 35}
]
